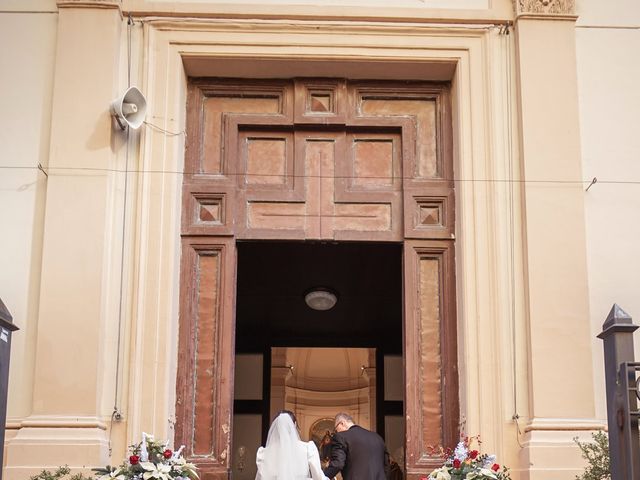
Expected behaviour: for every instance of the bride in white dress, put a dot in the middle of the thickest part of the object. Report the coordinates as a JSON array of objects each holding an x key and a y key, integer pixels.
[{"x": 286, "y": 457}]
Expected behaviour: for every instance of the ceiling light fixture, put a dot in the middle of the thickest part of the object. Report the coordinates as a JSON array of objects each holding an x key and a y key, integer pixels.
[{"x": 320, "y": 298}]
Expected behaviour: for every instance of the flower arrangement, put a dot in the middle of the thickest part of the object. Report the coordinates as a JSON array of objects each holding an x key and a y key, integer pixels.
[
  {"x": 467, "y": 464},
  {"x": 150, "y": 460}
]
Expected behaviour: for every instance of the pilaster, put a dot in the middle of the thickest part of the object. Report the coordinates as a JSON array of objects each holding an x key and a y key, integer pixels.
[
  {"x": 66, "y": 422},
  {"x": 560, "y": 366}
]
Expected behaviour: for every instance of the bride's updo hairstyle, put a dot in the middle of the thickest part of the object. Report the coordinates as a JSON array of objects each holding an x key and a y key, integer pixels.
[{"x": 290, "y": 413}]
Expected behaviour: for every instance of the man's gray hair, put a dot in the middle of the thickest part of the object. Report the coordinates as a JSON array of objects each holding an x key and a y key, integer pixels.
[{"x": 344, "y": 417}]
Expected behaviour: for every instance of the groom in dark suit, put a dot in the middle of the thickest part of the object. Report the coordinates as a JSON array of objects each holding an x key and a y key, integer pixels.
[{"x": 356, "y": 452}]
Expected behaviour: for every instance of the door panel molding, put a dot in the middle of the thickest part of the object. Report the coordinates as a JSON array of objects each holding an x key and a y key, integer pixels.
[
  {"x": 431, "y": 397},
  {"x": 204, "y": 397},
  {"x": 328, "y": 160}
]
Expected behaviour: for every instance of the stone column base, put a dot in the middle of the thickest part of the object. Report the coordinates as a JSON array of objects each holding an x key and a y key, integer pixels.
[
  {"x": 48, "y": 443},
  {"x": 549, "y": 449}
]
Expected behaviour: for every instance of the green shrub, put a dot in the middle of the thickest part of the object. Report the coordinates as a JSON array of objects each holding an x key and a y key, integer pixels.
[
  {"x": 596, "y": 454},
  {"x": 60, "y": 474}
]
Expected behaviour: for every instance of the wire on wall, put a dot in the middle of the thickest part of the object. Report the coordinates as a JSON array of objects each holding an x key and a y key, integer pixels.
[
  {"x": 69, "y": 171},
  {"x": 512, "y": 244},
  {"x": 162, "y": 130},
  {"x": 41, "y": 168},
  {"x": 116, "y": 415}
]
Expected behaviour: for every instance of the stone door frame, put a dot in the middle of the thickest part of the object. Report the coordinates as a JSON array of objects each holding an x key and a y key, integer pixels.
[
  {"x": 176, "y": 50},
  {"x": 271, "y": 160}
]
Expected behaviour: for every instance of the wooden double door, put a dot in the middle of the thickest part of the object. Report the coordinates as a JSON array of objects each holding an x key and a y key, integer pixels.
[{"x": 316, "y": 160}]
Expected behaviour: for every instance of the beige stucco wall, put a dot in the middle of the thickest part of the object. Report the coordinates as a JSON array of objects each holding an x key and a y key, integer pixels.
[
  {"x": 29, "y": 27},
  {"x": 608, "y": 37},
  {"x": 527, "y": 304},
  {"x": 58, "y": 285}
]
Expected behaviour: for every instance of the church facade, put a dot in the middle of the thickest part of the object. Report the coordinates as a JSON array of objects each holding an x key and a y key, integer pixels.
[{"x": 456, "y": 178}]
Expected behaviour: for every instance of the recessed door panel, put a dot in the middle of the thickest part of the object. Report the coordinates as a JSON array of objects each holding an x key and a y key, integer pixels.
[{"x": 317, "y": 160}]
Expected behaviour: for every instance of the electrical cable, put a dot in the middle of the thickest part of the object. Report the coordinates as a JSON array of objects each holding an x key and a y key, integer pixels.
[
  {"x": 512, "y": 273},
  {"x": 219, "y": 176},
  {"x": 116, "y": 415}
]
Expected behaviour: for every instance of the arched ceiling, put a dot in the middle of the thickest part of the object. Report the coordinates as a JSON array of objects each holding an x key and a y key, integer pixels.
[{"x": 329, "y": 369}]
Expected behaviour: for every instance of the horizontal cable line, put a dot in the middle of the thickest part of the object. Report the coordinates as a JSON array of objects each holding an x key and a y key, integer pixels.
[{"x": 288, "y": 176}]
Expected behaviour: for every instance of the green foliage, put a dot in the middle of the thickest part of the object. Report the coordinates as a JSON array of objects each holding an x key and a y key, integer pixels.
[
  {"x": 60, "y": 474},
  {"x": 596, "y": 454}
]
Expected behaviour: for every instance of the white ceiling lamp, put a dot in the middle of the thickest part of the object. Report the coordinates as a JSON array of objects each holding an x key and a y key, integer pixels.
[{"x": 321, "y": 298}]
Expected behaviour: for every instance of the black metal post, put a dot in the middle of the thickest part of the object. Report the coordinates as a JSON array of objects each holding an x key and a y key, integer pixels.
[
  {"x": 617, "y": 334},
  {"x": 6, "y": 329}
]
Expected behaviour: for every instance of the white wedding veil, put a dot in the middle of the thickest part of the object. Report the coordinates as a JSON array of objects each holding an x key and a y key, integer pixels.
[{"x": 281, "y": 457}]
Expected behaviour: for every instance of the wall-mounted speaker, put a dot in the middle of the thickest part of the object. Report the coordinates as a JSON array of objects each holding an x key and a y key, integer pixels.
[{"x": 129, "y": 108}]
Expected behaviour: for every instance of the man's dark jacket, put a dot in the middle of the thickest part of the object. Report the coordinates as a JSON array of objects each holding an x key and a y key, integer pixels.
[{"x": 359, "y": 454}]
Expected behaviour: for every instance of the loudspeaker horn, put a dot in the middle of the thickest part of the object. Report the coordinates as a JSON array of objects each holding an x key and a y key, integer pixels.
[{"x": 129, "y": 109}]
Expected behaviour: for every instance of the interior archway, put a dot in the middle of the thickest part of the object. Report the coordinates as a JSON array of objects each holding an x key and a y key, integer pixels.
[{"x": 317, "y": 363}]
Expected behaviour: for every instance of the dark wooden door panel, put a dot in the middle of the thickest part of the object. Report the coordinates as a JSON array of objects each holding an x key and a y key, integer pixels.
[
  {"x": 206, "y": 349},
  {"x": 430, "y": 351},
  {"x": 316, "y": 159}
]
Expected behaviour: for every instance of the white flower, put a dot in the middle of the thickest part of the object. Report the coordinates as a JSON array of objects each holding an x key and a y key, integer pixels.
[
  {"x": 144, "y": 454},
  {"x": 440, "y": 474},
  {"x": 190, "y": 469},
  {"x": 483, "y": 473},
  {"x": 461, "y": 452},
  {"x": 159, "y": 472},
  {"x": 490, "y": 460},
  {"x": 488, "y": 473},
  {"x": 181, "y": 466},
  {"x": 178, "y": 453},
  {"x": 113, "y": 475}
]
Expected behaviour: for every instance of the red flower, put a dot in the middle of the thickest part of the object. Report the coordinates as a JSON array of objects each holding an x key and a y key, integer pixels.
[
  {"x": 456, "y": 463},
  {"x": 473, "y": 454},
  {"x": 167, "y": 453},
  {"x": 495, "y": 467},
  {"x": 134, "y": 459}
]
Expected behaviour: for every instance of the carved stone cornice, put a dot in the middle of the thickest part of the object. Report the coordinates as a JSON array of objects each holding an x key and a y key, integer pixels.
[{"x": 546, "y": 7}]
